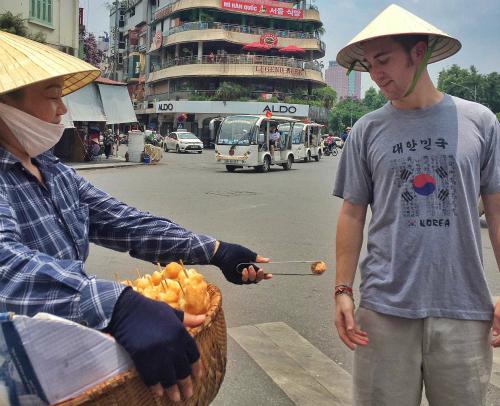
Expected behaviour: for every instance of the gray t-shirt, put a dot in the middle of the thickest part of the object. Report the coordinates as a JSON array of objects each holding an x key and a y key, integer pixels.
[{"x": 422, "y": 172}]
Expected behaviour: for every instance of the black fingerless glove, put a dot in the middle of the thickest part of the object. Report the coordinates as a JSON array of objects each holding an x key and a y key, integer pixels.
[
  {"x": 232, "y": 259},
  {"x": 153, "y": 334}
]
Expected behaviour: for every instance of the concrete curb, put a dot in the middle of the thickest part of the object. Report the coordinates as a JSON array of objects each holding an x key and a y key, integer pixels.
[{"x": 81, "y": 167}]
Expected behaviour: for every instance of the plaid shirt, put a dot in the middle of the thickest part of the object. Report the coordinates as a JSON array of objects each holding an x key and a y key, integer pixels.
[{"x": 45, "y": 234}]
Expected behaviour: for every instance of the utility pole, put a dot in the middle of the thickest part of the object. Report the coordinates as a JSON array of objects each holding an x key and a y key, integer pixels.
[{"x": 149, "y": 17}]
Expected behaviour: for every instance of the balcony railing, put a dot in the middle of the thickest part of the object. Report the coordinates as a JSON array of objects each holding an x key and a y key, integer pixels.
[
  {"x": 241, "y": 59},
  {"x": 244, "y": 29},
  {"x": 207, "y": 95}
]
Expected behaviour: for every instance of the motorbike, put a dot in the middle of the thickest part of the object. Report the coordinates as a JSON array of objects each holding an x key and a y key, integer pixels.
[{"x": 331, "y": 149}]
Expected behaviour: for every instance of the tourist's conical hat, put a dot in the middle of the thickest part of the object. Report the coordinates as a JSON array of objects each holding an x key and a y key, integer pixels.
[
  {"x": 24, "y": 62},
  {"x": 395, "y": 20}
]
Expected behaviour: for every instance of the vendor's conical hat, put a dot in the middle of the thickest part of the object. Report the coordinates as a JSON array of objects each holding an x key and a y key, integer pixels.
[
  {"x": 24, "y": 62},
  {"x": 395, "y": 20}
]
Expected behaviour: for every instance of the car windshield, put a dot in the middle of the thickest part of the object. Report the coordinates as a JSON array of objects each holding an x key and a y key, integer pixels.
[
  {"x": 237, "y": 130},
  {"x": 298, "y": 131},
  {"x": 186, "y": 136}
]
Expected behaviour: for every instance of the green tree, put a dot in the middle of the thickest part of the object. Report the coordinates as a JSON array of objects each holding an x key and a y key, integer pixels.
[
  {"x": 374, "y": 100},
  {"x": 346, "y": 113},
  {"x": 326, "y": 96},
  {"x": 16, "y": 24},
  {"x": 469, "y": 84},
  {"x": 230, "y": 91}
]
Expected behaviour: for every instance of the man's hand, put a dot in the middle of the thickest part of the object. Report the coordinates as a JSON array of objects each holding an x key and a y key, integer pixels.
[
  {"x": 495, "y": 342},
  {"x": 345, "y": 323},
  {"x": 164, "y": 353},
  {"x": 236, "y": 263}
]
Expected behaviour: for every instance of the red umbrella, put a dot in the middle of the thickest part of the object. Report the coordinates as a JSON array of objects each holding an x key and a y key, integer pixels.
[
  {"x": 292, "y": 49},
  {"x": 256, "y": 46}
]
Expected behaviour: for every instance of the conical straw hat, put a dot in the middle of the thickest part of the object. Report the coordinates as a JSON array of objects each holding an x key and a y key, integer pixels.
[
  {"x": 24, "y": 62},
  {"x": 395, "y": 20}
]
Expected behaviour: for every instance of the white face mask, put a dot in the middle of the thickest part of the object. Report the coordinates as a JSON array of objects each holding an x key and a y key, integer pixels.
[{"x": 35, "y": 136}]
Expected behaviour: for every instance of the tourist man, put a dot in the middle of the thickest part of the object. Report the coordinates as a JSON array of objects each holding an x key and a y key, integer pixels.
[{"x": 420, "y": 163}]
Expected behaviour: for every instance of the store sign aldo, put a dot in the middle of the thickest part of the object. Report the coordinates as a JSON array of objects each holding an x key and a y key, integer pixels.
[{"x": 231, "y": 107}]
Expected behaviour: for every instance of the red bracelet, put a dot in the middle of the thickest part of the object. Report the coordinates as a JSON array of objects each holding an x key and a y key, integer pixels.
[{"x": 343, "y": 290}]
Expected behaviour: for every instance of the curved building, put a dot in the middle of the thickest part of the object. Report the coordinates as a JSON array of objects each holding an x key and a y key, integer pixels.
[{"x": 211, "y": 58}]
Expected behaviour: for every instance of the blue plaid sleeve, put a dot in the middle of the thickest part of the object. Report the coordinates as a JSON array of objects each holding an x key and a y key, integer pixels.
[
  {"x": 32, "y": 282},
  {"x": 118, "y": 226}
]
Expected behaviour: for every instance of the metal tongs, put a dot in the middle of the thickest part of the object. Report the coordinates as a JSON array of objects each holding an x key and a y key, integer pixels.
[{"x": 245, "y": 265}]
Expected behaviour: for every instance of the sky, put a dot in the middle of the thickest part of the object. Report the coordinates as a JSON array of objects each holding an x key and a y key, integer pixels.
[{"x": 476, "y": 23}]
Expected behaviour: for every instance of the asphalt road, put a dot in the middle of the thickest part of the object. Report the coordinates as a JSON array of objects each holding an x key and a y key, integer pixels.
[{"x": 284, "y": 215}]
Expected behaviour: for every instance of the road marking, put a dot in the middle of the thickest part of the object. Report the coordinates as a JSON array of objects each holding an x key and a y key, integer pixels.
[{"x": 299, "y": 385}]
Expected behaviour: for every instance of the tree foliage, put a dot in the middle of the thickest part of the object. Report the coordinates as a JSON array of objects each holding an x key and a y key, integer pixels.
[
  {"x": 228, "y": 91},
  {"x": 347, "y": 111},
  {"x": 16, "y": 24},
  {"x": 91, "y": 53},
  {"x": 469, "y": 84},
  {"x": 326, "y": 95},
  {"x": 374, "y": 100}
]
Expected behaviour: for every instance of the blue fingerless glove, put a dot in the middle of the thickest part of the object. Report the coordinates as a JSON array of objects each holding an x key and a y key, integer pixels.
[
  {"x": 153, "y": 334},
  {"x": 232, "y": 259}
]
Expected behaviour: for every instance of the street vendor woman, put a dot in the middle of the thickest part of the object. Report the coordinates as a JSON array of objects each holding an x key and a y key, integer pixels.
[
  {"x": 49, "y": 214},
  {"x": 425, "y": 316}
]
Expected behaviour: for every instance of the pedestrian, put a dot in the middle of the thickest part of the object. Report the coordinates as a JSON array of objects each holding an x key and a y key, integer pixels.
[
  {"x": 108, "y": 142},
  {"x": 420, "y": 162},
  {"x": 345, "y": 134},
  {"x": 49, "y": 214}
]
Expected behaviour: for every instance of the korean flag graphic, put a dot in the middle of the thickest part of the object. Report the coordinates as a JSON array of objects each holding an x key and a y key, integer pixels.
[
  {"x": 424, "y": 184},
  {"x": 427, "y": 186}
]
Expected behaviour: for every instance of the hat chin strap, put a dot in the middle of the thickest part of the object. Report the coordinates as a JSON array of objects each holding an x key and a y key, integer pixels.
[{"x": 421, "y": 67}]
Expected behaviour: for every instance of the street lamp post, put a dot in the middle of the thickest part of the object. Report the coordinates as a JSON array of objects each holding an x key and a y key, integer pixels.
[{"x": 474, "y": 93}]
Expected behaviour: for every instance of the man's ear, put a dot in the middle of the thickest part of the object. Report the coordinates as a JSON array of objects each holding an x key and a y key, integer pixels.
[{"x": 418, "y": 50}]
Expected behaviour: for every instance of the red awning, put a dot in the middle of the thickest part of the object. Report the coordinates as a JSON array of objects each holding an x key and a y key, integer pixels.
[
  {"x": 256, "y": 46},
  {"x": 292, "y": 49}
]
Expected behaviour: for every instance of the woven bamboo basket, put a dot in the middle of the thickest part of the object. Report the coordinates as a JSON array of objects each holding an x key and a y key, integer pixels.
[{"x": 128, "y": 389}]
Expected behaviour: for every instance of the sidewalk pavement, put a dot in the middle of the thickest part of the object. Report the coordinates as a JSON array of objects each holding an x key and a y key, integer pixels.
[{"x": 101, "y": 162}]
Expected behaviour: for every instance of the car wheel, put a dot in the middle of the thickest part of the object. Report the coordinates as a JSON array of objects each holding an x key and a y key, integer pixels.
[
  {"x": 288, "y": 164},
  {"x": 230, "y": 168},
  {"x": 267, "y": 164},
  {"x": 199, "y": 152},
  {"x": 177, "y": 149}
]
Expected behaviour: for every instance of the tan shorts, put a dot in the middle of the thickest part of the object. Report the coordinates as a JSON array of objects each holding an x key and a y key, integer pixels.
[{"x": 452, "y": 358}]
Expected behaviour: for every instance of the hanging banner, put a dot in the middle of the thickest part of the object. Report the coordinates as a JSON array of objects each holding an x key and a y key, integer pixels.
[{"x": 275, "y": 9}]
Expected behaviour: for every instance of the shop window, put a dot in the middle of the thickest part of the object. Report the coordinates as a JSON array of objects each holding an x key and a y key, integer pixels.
[{"x": 41, "y": 10}]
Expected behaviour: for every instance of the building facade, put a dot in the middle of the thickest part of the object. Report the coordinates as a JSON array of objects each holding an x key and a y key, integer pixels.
[
  {"x": 345, "y": 86},
  {"x": 56, "y": 19},
  {"x": 261, "y": 52}
]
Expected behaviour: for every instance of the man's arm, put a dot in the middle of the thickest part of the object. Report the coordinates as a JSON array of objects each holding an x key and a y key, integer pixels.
[
  {"x": 349, "y": 240},
  {"x": 492, "y": 210}
]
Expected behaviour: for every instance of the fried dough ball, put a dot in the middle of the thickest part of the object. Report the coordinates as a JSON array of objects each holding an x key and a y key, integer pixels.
[
  {"x": 172, "y": 270},
  {"x": 318, "y": 267}
]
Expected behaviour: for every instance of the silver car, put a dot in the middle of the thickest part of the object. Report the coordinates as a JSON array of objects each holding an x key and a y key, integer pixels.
[{"x": 182, "y": 141}]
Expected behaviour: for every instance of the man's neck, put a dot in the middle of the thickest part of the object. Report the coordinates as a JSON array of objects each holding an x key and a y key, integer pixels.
[{"x": 424, "y": 95}]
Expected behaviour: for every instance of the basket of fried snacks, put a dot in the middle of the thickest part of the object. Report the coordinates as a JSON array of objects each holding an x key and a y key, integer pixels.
[{"x": 184, "y": 289}]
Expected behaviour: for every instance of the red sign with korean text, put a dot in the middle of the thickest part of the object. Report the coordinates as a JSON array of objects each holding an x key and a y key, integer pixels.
[{"x": 274, "y": 8}]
